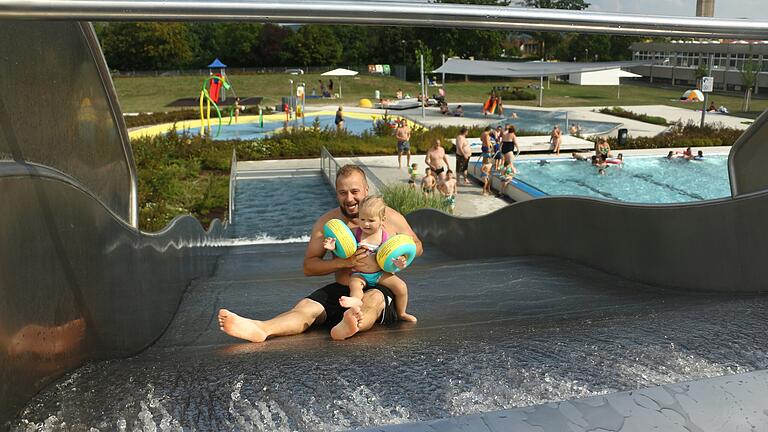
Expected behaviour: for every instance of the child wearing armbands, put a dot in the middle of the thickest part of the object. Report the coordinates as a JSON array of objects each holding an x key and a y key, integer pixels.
[{"x": 370, "y": 235}]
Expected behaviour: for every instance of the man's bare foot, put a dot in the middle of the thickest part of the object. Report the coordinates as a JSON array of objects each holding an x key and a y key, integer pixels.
[
  {"x": 239, "y": 327},
  {"x": 349, "y": 325},
  {"x": 407, "y": 317},
  {"x": 350, "y": 302}
]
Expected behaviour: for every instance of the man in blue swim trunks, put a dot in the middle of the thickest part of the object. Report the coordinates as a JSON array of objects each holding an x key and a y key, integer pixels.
[
  {"x": 322, "y": 306},
  {"x": 403, "y": 136}
]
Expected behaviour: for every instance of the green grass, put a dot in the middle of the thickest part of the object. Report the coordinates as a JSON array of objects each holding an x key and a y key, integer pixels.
[
  {"x": 151, "y": 94},
  {"x": 406, "y": 199}
]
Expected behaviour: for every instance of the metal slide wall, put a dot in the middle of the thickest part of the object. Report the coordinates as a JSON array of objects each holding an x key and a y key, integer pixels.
[
  {"x": 78, "y": 281},
  {"x": 708, "y": 246}
]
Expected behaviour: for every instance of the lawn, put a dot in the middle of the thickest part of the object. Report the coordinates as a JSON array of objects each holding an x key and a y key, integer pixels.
[{"x": 152, "y": 94}]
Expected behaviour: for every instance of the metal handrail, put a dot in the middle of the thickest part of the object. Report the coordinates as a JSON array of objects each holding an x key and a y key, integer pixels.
[
  {"x": 328, "y": 166},
  {"x": 232, "y": 185},
  {"x": 385, "y": 13}
]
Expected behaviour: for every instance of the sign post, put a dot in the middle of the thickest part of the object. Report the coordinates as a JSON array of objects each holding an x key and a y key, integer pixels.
[{"x": 707, "y": 85}]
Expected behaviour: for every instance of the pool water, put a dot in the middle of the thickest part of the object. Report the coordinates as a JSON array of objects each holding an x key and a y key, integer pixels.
[
  {"x": 641, "y": 179},
  {"x": 544, "y": 121},
  {"x": 266, "y": 208},
  {"x": 252, "y": 131}
]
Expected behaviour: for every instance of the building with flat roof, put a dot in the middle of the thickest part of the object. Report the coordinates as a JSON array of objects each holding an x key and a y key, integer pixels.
[{"x": 677, "y": 62}]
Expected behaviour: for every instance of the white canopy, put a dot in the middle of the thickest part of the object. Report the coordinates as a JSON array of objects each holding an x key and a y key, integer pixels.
[{"x": 340, "y": 72}]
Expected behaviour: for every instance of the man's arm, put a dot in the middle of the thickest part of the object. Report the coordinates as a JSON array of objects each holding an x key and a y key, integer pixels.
[{"x": 397, "y": 224}]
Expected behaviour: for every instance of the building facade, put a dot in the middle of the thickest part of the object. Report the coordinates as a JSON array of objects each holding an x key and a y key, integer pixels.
[
  {"x": 677, "y": 63},
  {"x": 705, "y": 8}
]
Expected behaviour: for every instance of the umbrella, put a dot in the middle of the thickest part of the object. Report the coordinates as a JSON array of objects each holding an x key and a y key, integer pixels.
[{"x": 340, "y": 72}]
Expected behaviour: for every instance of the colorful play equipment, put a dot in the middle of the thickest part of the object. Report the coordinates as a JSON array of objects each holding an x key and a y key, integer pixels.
[
  {"x": 365, "y": 103},
  {"x": 212, "y": 93},
  {"x": 490, "y": 107}
]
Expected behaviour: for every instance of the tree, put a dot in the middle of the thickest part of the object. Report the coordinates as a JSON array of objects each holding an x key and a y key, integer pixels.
[
  {"x": 238, "y": 43},
  {"x": 146, "y": 46},
  {"x": 749, "y": 72},
  {"x": 271, "y": 47},
  {"x": 314, "y": 45}
]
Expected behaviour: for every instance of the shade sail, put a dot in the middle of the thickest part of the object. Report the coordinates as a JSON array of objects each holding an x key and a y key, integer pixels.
[
  {"x": 525, "y": 69},
  {"x": 340, "y": 72}
]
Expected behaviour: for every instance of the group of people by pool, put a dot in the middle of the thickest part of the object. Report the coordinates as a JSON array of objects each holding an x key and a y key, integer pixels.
[
  {"x": 686, "y": 155},
  {"x": 498, "y": 148},
  {"x": 375, "y": 297}
]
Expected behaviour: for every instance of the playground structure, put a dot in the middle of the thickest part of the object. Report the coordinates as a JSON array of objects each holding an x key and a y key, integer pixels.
[
  {"x": 212, "y": 93},
  {"x": 493, "y": 105}
]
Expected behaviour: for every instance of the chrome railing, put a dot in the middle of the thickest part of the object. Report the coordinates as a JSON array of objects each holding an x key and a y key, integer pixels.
[
  {"x": 387, "y": 14},
  {"x": 329, "y": 167},
  {"x": 232, "y": 185}
]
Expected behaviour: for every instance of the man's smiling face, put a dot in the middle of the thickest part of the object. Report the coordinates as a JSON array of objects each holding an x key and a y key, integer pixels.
[{"x": 349, "y": 191}]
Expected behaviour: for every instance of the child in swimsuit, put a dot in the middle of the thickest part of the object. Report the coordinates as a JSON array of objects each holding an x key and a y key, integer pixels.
[
  {"x": 413, "y": 172},
  {"x": 449, "y": 190},
  {"x": 370, "y": 236},
  {"x": 506, "y": 175},
  {"x": 485, "y": 177},
  {"x": 428, "y": 182}
]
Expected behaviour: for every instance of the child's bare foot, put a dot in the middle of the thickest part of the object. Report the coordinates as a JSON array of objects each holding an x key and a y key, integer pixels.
[
  {"x": 350, "y": 302},
  {"x": 239, "y": 327},
  {"x": 407, "y": 317},
  {"x": 349, "y": 325}
]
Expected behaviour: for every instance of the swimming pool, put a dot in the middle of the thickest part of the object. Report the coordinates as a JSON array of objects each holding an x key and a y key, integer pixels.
[
  {"x": 543, "y": 121},
  {"x": 252, "y": 130},
  {"x": 266, "y": 210},
  {"x": 642, "y": 179}
]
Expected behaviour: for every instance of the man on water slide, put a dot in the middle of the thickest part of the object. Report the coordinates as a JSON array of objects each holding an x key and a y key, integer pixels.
[{"x": 322, "y": 306}]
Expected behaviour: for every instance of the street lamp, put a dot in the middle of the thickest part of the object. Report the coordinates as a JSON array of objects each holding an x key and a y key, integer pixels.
[
  {"x": 290, "y": 98},
  {"x": 586, "y": 55}
]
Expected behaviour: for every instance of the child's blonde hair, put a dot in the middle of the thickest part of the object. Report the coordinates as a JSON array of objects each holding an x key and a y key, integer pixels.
[{"x": 374, "y": 205}]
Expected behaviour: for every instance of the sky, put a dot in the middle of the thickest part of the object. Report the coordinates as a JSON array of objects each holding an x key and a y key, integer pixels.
[{"x": 752, "y": 9}]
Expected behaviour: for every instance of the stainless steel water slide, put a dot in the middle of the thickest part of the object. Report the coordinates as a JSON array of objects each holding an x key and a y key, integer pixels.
[{"x": 78, "y": 281}]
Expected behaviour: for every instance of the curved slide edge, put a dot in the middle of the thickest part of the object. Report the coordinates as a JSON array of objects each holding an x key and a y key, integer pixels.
[
  {"x": 748, "y": 159},
  {"x": 79, "y": 282},
  {"x": 707, "y": 246},
  {"x": 727, "y": 403}
]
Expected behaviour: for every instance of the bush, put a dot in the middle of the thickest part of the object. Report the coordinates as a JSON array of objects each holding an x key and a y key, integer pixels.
[
  {"x": 621, "y": 112},
  {"x": 683, "y": 135},
  {"x": 517, "y": 94},
  {"x": 406, "y": 199}
]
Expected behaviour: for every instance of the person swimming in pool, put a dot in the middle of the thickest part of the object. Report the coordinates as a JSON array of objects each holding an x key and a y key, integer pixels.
[
  {"x": 323, "y": 305},
  {"x": 370, "y": 236}
]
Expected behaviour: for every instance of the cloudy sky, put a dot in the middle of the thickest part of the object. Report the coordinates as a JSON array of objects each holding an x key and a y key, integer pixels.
[{"x": 753, "y": 9}]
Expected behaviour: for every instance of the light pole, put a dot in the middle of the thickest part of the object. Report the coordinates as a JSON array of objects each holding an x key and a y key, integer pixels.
[
  {"x": 586, "y": 55},
  {"x": 290, "y": 100}
]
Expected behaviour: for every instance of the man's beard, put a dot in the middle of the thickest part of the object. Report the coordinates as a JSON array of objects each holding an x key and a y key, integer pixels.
[{"x": 343, "y": 209}]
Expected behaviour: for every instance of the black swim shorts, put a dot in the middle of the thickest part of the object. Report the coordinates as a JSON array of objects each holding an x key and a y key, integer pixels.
[
  {"x": 328, "y": 297},
  {"x": 437, "y": 171},
  {"x": 389, "y": 314}
]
